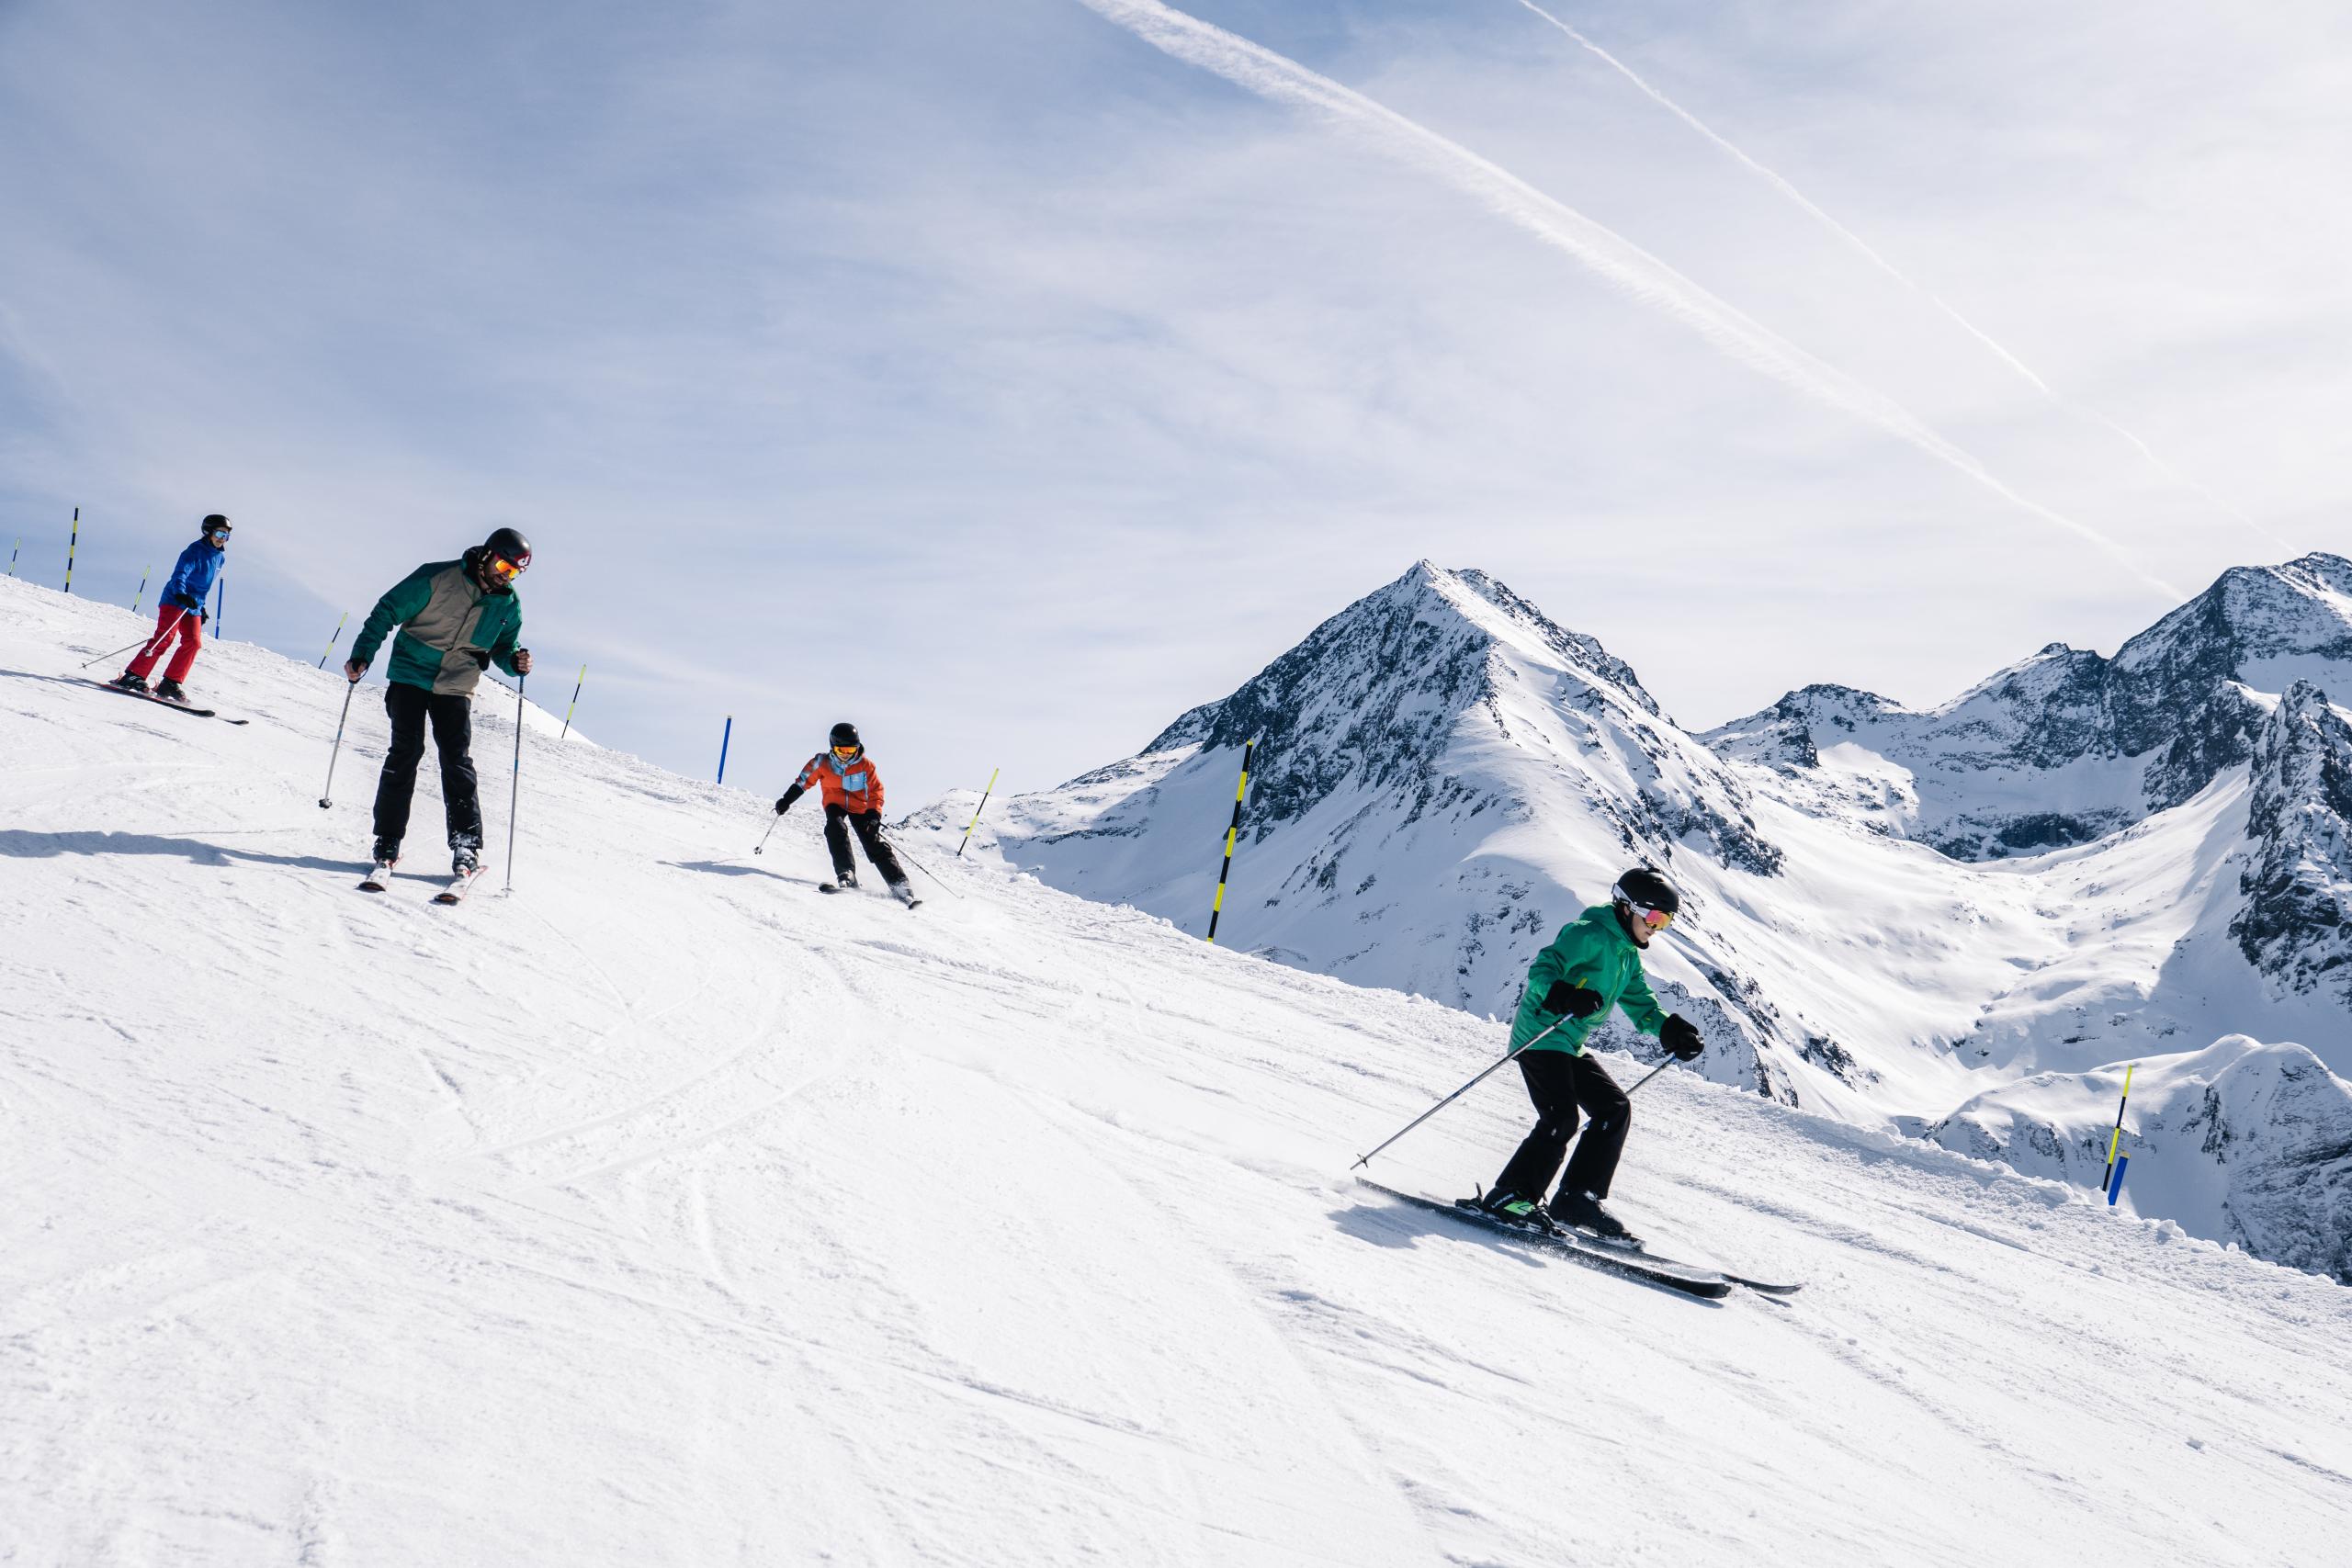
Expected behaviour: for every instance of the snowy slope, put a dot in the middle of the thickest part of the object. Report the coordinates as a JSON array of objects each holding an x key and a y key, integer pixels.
[
  {"x": 666, "y": 1213},
  {"x": 2241, "y": 1140}
]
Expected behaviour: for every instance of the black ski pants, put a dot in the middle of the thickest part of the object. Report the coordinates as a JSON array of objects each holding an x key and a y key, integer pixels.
[
  {"x": 839, "y": 821},
  {"x": 453, "y": 734},
  {"x": 1560, "y": 1084}
]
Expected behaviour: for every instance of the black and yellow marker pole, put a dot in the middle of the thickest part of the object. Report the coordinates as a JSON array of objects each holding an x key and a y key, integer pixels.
[
  {"x": 2106, "y": 1181},
  {"x": 336, "y": 638},
  {"x": 575, "y": 701},
  {"x": 1231, "y": 833},
  {"x": 144, "y": 573},
  {"x": 983, "y": 805},
  {"x": 71, "y": 545}
]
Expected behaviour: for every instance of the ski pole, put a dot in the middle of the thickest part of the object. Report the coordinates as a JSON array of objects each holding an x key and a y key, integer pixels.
[
  {"x": 515, "y": 801},
  {"x": 924, "y": 869},
  {"x": 762, "y": 846},
  {"x": 983, "y": 805},
  {"x": 158, "y": 639},
  {"x": 326, "y": 797},
  {"x": 1450, "y": 1099}
]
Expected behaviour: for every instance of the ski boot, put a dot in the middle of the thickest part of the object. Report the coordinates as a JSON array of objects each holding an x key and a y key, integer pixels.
[
  {"x": 464, "y": 861},
  {"x": 904, "y": 892},
  {"x": 388, "y": 855},
  {"x": 1512, "y": 1209},
  {"x": 127, "y": 681},
  {"x": 1582, "y": 1211},
  {"x": 845, "y": 881},
  {"x": 168, "y": 691}
]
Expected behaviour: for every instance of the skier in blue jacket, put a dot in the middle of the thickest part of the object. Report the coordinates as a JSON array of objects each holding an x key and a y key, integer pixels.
[{"x": 180, "y": 614}]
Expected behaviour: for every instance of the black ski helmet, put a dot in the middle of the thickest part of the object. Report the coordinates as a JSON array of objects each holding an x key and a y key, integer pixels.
[
  {"x": 1646, "y": 888},
  {"x": 508, "y": 543},
  {"x": 845, "y": 734},
  {"x": 213, "y": 522}
]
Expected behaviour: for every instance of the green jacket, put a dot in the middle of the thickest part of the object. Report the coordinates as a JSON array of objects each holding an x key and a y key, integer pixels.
[
  {"x": 1594, "y": 951},
  {"x": 447, "y": 623}
]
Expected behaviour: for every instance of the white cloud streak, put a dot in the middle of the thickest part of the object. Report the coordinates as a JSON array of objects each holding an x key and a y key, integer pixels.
[
  {"x": 1870, "y": 254},
  {"x": 1627, "y": 268}
]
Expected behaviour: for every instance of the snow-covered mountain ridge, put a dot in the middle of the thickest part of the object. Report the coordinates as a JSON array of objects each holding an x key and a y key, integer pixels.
[
  {"x": 1445, "y": 776},
  {"x": 665, "y": 1212}
]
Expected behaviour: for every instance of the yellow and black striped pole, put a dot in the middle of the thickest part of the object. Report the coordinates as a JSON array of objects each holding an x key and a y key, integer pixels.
[
  {"x": 1231, "y": 833},
  {"x": 976, "y": 810},
  {"x": 575, "y": 701},
  {"x": 336, "y": 638},
  {"x": 2115, "y": 1139},
  {"x": 144, "y": 573},
  {"x": 71, "y": 545}
]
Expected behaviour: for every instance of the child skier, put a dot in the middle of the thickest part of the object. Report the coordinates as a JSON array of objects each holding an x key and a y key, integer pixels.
[
  {"x": 1593, "y": 965},
  {"x": 180, "y": 614},
  {"x": 843, "y": 774},
  {"x": 456, "y": 618}
]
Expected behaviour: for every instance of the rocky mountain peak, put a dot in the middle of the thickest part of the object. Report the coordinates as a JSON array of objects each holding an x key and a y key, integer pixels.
[
  {"x": 2295, "y": 926},
  {"x": 1371, "y": 695}
]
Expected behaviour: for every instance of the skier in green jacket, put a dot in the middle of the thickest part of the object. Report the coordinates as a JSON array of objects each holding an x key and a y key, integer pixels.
[
  {"x": 457, "y": 619},
  {"x": 1593, "y": 965}
]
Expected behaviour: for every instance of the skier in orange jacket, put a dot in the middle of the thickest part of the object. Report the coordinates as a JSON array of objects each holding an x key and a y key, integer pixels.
[{"x": 845, "y": 776}]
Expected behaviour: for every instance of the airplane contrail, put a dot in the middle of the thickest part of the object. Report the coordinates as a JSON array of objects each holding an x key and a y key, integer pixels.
[
  {"x": 1872, "y": 255},
  {"x": 1627, "y": 266}
]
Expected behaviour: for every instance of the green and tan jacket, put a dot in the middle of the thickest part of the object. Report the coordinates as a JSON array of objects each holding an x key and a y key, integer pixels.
[
  {"x": 448, "y": 624},
  {"x": 1593, "y": 951}
]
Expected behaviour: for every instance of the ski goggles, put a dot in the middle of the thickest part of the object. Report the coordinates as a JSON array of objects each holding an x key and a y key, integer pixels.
[
  {"x": 218, "y": 532},
  {"x": 1657, "y": 919},
  {"x": 847, "y": 753},
  {"x": 506, "y": 570}
]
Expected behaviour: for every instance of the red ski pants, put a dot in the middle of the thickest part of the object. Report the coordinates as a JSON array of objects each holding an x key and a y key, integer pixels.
[{"x": 170, "y": 621}]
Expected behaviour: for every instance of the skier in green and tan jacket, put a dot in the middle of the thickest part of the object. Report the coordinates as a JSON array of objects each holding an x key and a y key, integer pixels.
[
  {"x": 1593, "y": 965},
  {"x": 456, "y": 618}
]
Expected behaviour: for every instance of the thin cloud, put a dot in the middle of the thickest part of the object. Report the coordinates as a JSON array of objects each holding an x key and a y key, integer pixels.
[
  {"x": 1872, "y": 255},
  {"x": 1629, "y": 268}
]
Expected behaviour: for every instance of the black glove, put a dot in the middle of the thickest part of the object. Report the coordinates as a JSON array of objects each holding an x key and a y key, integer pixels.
[
  {"x": 1681, "y": 1037},
  {"x": 1574, "y": 1001},
  {"x": 783, "y": 803},
  {"x": 203, "y": 617}
]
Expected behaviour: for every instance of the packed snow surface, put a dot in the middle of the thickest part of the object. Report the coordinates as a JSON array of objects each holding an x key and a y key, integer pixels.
[{"x": 666, "y": 1212}]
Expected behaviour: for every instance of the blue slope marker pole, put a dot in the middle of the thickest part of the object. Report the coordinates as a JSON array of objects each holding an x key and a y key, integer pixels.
[
  {"x": 724, "y": 736},
  {"x": 219, "y": 597},
  {"x": 2115, "y": 1183},
  {"x": 15, "y": 550}
]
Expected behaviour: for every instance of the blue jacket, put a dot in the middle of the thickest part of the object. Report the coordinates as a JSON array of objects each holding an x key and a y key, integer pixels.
[{"x": 198, "y": 569}]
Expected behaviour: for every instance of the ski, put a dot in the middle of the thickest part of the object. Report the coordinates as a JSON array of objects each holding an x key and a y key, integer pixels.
[
  {"x": 1688, "y": 1277},
  {"x": 175, "y": 708},
  {"x": 458, "y": 888},
  {"x": 379, "y": 876}
]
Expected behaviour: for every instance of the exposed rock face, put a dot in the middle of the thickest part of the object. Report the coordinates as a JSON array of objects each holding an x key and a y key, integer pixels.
[
  {"x": 2111, "y": 741},
  {"x": 2296, "y": 927}
]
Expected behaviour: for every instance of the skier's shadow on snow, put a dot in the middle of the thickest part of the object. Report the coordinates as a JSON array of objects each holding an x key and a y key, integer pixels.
[
  {"x": 726, "y": 868},
  {"x": 15, "y": 844},
  {"x": 1404, "y": 1229}
]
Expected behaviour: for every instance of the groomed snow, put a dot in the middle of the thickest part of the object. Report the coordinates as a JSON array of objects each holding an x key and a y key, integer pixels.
[{"x": 665, "y": 1212}]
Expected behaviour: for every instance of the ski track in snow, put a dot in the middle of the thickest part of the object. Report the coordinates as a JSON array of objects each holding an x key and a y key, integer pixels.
[{"x": 665, "y": 1212}]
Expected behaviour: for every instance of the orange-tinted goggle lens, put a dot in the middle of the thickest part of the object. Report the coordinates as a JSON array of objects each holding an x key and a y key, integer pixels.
[
  {"x": 503, "y": 569},
  {"x": 846, "y": 752},
  {"x": 1657, "y": 919}
]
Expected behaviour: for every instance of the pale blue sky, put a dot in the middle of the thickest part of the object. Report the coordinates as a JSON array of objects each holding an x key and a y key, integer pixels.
[{"x": 984, "y": 374}]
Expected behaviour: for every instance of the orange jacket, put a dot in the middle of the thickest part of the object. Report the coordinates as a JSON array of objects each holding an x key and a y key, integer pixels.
[{"x": 855, "y": 787}]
